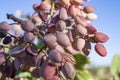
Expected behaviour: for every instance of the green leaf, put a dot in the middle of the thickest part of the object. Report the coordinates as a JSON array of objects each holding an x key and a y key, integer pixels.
[
  {"x": 81, "y": 61},
  {"x": 24, "y": 74},
  {"x": 83, "y": 75},
  {"x": 116, "y": 77},
  {"x": 38, "y": 43},
  {"x": 78, "y": 76},
  {"x": 115, "y": 65},
  {"x": 37, "y": 79}
]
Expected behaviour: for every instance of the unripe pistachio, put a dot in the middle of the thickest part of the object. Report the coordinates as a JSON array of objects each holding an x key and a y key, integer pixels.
[
  {"x": 79, "y": 44},
  {"x": 17, "y": 51},
  {"x": 89, "y": 9},
  {"x": 55, "y": 56},
  {"x": 65, "y": 3},
  {"x": 63, "y": 39},
  {"x": 31, "y": 50},
  {"x": 74, "y": 11},
  {"x": 51, "y": 28},
  {"x": 50, "y": 39},
  {"x": 36, "y": 7},
  {"x": 58, "y": 5},
  {"x": 45, "y": 5},
  {"x": 77, "y": 2},
  {"x": 55, "y": 78},
  {"x": 81, "y": 20},
  {"x": 59, "y": 48},
  {"x": 91, "y": 16},
  {"x": 36, "y": 72},
  {"x": 49, "y": 71},
  {"x": 87, "y": 48},
  {"x": 63, "y": 14},
  {"x": 27, "y": 26},
  {"x": 91, "y": 29},
  {"x": 2, "y": 57},
  {"x": 100, "y": 49},
  {"x": 29, "y": 37},
  {"x": 81, "y": 30},
  {"x": 60, "y": 25},
  {"x": 101, "y": 37},
  {"x": 68, "y": 70},
  {"x": 4, "y": 26}
]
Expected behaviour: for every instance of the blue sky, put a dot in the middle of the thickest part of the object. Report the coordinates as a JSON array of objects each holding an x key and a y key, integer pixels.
[{"x": 108, "y": 22}]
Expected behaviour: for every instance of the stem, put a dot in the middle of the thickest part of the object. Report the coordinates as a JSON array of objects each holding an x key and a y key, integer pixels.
[
  {"x": 13, "y": 23},
  {"x": 36, "y": 32},
  {"x": 62, "y": 76},
  {"x": 52, "y": 8},
  {"x": 39, "y": 14},
  {"x": 3, "y": 77},
  {"x": 68, "y": 28},
  {"x": 11, "y": 16},
  {"x": 11, "y": 35}
]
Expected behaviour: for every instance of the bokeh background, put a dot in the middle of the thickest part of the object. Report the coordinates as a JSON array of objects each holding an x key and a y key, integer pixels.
[{"x": 108, "y": 22}]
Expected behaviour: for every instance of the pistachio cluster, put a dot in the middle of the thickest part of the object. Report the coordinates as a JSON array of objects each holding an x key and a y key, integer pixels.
[{"x": 63, "y": 27}]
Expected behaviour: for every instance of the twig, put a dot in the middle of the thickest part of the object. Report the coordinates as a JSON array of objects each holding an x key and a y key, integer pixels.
[
  {"x": 52, "y": 8},
  {"x": 39, "y": 14},
  {"x": 11, "y": 16}
]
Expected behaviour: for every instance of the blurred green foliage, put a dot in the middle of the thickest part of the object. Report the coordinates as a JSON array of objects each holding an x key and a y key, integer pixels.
[
  {"x": 81, "y": 72},
  {"x": 115, "y": 67}
]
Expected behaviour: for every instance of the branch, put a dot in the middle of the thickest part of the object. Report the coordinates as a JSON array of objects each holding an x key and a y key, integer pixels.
[{"x": 11, "y": 16}]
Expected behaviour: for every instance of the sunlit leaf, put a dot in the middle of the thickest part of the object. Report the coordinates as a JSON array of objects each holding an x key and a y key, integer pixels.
[
  {"x": 24, "y": 74},
  {"x": 115, "y": 67},
  {"x": 83, "y": 75},
  {"x": 38, "y": 43},
  {"x": 81, "y": 61}
]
